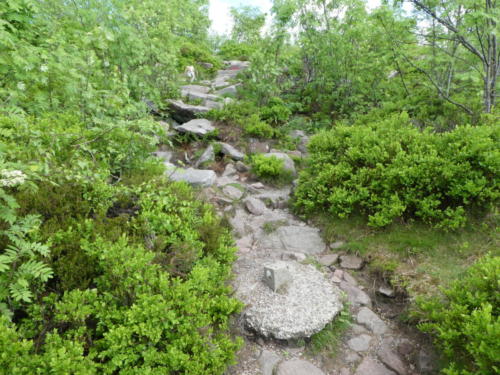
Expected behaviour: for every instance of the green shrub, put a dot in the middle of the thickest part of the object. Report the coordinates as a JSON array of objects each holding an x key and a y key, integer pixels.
[
  {"x": 389, "y": 169},
  {"x": 466, "y": 324},
  {"x": 120, "y": 271},
  {"x": 276, "y": 112},
  {"x": 232, "y": 50},
  {"x": 270, "y": 168},
  {"x": 254, "y": 126}
]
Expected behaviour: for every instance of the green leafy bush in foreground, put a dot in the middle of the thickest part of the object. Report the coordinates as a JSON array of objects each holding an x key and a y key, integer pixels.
[
  {"x": 105, "y": 266},
  {"x": 389, "y": 169},
  {"x": 466, "y": 324}
]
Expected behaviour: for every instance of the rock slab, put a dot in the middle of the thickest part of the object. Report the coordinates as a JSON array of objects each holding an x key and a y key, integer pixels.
[
  {"x": 371, "y": 321},
  {"x": 298, "y": 367},
  {"x": 196, "y": 127},
  {"x": 295, "y": 239},
  {"x": 306, "y": 306}
]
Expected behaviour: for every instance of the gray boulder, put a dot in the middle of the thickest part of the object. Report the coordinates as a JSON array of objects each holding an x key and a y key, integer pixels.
[
  {"x": 196, "y": 127},
  {"x": 232, "y": 152},
  {"x": 207, "y": 156},
  {"x": 194, "y": 177},
  {"x": 307, "y": 304},
  {"x": 255, "y": 206},
  {"x": 371, "y": 321},
  {"x": 183, "y": 112}
]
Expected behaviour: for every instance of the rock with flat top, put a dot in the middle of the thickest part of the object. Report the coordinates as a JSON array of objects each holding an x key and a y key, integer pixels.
[
  {"x": 255, "y": 206},
  {"x": 296, "y": 239},
  {"x": 304, "y": 307},
  {"x": 233, "y": 192},
  {"x": 370, "y": 366},
  {"x": 392, "y": 360},
  {"x": 351, "y": 262},
  {"x": 328, "y": 259},
  {"x": 198, "y": 127},
  {"x": 371, "y": 321},
  {"x": 360, "y": 343},
  {"x": 183, "y": 112},
  {"x": 194, "y": 177},
  {"x": 355, "y": 295},
  {"x": 268, "y": 361},
  {"x": 298, "y": 367},
  {"x": 232, "y": 152}
]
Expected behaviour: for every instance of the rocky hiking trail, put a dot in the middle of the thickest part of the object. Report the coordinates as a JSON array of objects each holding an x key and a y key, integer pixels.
[{"x": 292, "y": 283}]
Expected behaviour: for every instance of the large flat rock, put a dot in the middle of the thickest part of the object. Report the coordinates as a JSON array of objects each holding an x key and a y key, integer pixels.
[
  {"x": 298, "y": 367},
  {"x": 295, "y": 239},
  {"x": 300, "y": 309},
  {"x": 194, "y": 177},
  {"x": 196, "y": 127},
  {"x": 183, "y": 112}
]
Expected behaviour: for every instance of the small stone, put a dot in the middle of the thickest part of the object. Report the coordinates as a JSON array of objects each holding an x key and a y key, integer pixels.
[
  {"x": 371, "y": 321},
  {"x": 328, "y": 260},
  {"x": 255, "y": 206},
  {"x": 268, "y": 361},
  {"x": 299, "y": 257},
  {"x": 351, "y": 280},
  {"x": 351, "y": 262},
  {"x": 391, "y": 359},
  {"x": 258, "y": 185},
  {"x": 360, "y": 343},
  {"x": 233, "y": 192},
  {"x": 370, "y": 366},
  {"x": 298, "y": 367},
  {"x": 337, "y": 245},
  {"x": 242, "y": 167},
  {"x": 336, "y": 280},
  {"x": 207, "y": 156},
  {"x": 276, "y": 275},
  {"x": 230, "y": 170},
  {"x": 355, "y": 295},
  {"x": 230, "y": 151},
  {"x": 386, "y": 291}
]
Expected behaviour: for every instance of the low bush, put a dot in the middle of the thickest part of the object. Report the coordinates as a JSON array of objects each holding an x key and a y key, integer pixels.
[
  {"x": 388, "y": 169},
  {"x": 255, "y": 127},
  {"x": 105, "y": 265},
  {"x": 270, "y": 168},
  {"x": 466, "y": 322},
  {"x": 276, "y": 112}
]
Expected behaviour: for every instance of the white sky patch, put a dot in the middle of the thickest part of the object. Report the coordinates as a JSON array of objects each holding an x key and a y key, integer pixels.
[{"x": 219, "y": 12}]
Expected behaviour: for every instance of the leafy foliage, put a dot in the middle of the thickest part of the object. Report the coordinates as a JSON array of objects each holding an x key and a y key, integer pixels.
[
  {"x": 389, "y": 169},
  {"x": 255, "y": 127},
  {"x": 466, "y": 324},
  {"x": 270, "y": 168}
]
